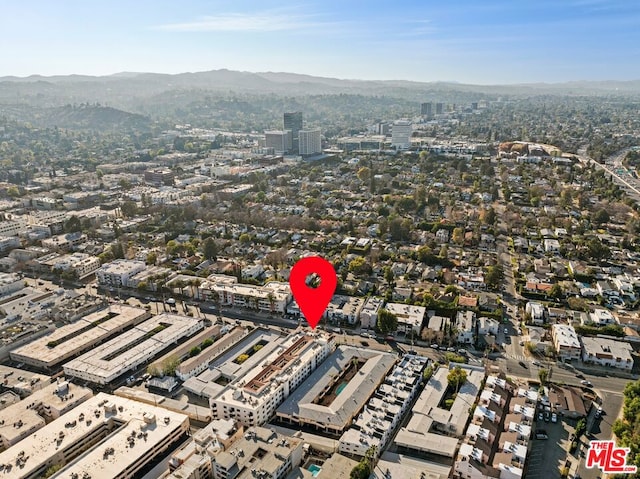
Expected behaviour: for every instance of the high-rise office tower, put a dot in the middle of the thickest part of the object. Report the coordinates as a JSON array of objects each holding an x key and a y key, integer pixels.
[
  {"x": 293, "y": 123},
  {"x": 426, "y": 109},
  {"x": 439, "y": 108}
]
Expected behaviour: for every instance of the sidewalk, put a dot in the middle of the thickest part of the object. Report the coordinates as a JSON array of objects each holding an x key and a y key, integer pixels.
[{"x": 599, "y": 370}]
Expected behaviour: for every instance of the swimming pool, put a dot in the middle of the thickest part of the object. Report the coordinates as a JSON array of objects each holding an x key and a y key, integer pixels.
[
  {"x": 315, "y": 470},
  {"x": 341, "y": 387}
]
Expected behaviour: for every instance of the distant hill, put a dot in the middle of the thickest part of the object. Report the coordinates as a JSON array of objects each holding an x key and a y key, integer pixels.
[
  {"x": 113, "y": 87},
  {"x": 90, "y": 117},
  {"x": 239, "y": 100}
]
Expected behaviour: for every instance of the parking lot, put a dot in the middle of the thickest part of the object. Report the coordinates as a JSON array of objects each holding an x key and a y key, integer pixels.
[{"x": 547, "y": 457}]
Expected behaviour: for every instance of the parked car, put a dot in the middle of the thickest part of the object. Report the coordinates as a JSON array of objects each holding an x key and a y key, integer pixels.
[
  {"x": 541, "y": 434},
  {"x": 434, "y": 346},
  {"x": 540, "y": 417},
  {"x": 451, "y": 350},
  {"x": 535, "y": 363},
  {"x": 547, "y": 416},
  {"x": 554, "y": 417},
  {"x": 584, "y": 382}
]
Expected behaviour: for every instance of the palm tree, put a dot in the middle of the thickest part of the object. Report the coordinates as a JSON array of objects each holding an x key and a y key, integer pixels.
[
  {"x": 216, "y": 300},
  {"x": 272, "y": 300},
  {"x": 195, "y": 284},
  {"x": 180, "y": 284}
]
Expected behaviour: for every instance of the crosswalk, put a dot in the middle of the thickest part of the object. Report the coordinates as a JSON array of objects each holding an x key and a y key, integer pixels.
[{"x": 518, "y": 357}]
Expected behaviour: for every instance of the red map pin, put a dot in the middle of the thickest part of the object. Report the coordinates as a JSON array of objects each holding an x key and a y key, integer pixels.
[{"x": 313, "y": 301}]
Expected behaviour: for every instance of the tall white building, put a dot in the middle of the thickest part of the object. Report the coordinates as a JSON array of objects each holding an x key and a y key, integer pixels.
[
  {"x": 253, "y": 398},
  {"x": 310, "y": 142},
  {"x": 118, "y": 272},
  {"x": 401, "y": 134}
]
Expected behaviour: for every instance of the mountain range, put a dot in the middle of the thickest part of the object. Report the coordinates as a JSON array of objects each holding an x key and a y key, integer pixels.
[{"x": 137, "y": 99}]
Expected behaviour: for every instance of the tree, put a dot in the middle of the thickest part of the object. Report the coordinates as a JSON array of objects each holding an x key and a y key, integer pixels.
[
  {"x": 457, "y": 236},
  {"x": 456, "y": 378},
  {"x": 494, "y": 276},
  {"x": 152, "y": 258},
  {"x": 209, "y": 249},
  {"x": 129, "y": 209},
  {"x": 72, "y": 225},
  {"x": 543, "y": 375},
  {"x": 452, "y": 288},
  {"x": 359, "y": 266},
  {"x": 601, "y": 216},
  {"x": 597, "y": 250},
  {"x": 400, "y": 230},
  {"x": 244, "y": 238},
  {"x": 360, "y": 471},
  {"x": 170, "y": 365},
  {"x": 117, "y": 250},
  {"x": 488, "y": 216},
  {"x": 406, "y": 204},
  {"x": 52, "y": 470},
  {"x": 389, "y": 275},
  {"x": 387, "y": 321},
  {"x": 425, "y": 254},
  {"x": 556, "y": 291},
  {"x": 364, "y": 173}
]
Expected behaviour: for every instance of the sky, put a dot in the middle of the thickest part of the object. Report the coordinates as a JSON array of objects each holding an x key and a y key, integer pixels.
[{"x": 467, "y": 41}]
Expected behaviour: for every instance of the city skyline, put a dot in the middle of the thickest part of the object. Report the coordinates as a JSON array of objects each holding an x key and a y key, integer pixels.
[{"x": 494, "y": 42}]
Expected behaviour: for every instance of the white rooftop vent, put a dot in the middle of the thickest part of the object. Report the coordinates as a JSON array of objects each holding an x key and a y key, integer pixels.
[
  {"x": 62, "y": 388},
  {"x": 149, "y": 418}
]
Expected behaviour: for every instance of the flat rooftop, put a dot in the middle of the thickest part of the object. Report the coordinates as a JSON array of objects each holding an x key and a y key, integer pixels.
[
  {"x": 262, "y": 449},
  {"x": 141, "y": 343},
  {"x": 310, "y": 404},
  {"x": 21, "y": 380},
  {"x": 195, "y": 412},
  {"x": 426, "y": 409},
  {"x": 54, "y": 397},
  {"x": 72, "y": 339},
  {"x": 226, "y": 368},
  {"x": 116, "y": 419},
  {"x": 404, "y": 467}
]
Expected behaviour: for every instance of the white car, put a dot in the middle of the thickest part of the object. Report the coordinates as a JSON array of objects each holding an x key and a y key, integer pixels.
[
  {"x": 506, "y": 331},
  {"x": 584, "y": 382},
  {"x": 554, "y": 417}
]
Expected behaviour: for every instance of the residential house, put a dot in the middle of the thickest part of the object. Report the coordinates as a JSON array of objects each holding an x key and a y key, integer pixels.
[
  {"x": 607, "y": 352},
  {"x": 565, "y": 341},
  {"x": 465, "y": 325}
]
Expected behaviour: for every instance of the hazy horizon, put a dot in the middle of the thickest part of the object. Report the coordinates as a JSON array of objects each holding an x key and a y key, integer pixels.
[
  {"x": 490, "y": 43},
  {"x": 133, "y": 73}
]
